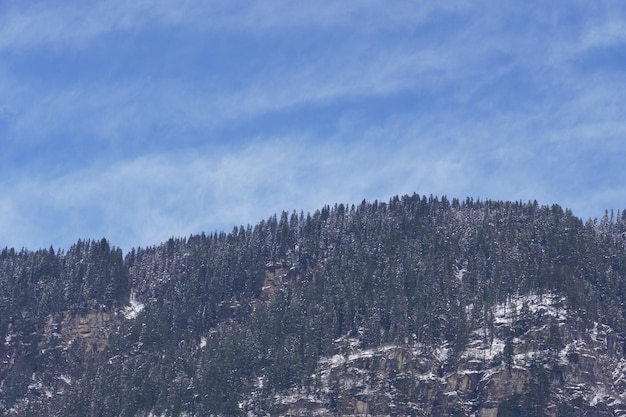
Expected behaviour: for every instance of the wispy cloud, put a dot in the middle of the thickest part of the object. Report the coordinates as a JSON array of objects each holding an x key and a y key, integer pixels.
[
  {"x": 148, "y": 199},
  {"x": 145, "y": 120},
  {"x": 76, "y": 22},
  {"x": 609, "y": 33}
]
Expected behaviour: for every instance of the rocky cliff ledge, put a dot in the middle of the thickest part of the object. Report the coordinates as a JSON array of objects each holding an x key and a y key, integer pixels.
[{"x": 533, "y": 357}]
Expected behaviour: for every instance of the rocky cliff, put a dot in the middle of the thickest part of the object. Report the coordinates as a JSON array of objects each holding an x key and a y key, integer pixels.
[{"x": 536, "y": 358}]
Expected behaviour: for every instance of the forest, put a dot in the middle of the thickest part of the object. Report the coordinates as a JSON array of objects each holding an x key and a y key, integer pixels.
[{"x": 226, "y": 316}]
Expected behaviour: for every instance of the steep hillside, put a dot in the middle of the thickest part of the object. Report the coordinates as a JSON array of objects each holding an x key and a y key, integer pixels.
[
  {"x": 418, "y": 306},
  {"x": 538, "y": 358}
]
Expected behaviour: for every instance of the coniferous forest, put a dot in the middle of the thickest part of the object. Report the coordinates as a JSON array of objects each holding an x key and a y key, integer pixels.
[{"x": 221, "y": 323}]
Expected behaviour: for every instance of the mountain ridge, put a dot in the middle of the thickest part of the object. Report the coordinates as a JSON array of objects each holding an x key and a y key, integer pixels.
[{"x": 223, "y": 324}]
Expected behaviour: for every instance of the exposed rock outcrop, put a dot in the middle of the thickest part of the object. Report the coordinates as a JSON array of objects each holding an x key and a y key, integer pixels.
[{"x": 536, "y": 355}]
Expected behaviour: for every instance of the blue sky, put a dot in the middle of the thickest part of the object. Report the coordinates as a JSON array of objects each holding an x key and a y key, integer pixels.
[{"x": 138, "y": 121}]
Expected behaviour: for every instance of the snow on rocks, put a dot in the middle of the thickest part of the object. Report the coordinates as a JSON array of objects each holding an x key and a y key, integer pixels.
[{"x": 133, "y": 308}]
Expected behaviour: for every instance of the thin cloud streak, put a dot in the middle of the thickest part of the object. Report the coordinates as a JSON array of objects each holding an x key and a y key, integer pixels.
[
  {"x": 149, "y": 199},
  {"x": 163, "y": 195},
  {"x": 117, "y": 108},
  {"x": 329, "y": 104},
  {"x": 78, "y": 23}
]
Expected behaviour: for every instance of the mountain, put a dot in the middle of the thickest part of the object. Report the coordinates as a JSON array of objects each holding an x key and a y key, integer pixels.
[{"x": 420, "y": 306}]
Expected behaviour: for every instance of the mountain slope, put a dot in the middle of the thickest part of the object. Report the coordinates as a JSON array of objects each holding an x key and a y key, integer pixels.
[
  {"x": 537, "y": 359},
  {"x": 394, "y": 308}
]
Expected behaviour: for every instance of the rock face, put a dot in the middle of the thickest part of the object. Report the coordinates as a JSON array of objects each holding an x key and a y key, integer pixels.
[
  {"x": 90, "y": 330},
  {"x": 535, "y": 359},
  {"x": 67, "y": 339}
]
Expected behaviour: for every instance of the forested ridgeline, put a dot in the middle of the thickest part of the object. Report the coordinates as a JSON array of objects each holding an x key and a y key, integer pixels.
[{"x": 224, "y": 311}]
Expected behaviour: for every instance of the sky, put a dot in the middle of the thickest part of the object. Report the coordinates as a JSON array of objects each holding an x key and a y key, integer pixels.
[{"x": 144, "y": 120}]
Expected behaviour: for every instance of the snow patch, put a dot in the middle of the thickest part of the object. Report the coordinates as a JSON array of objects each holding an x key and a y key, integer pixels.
[
  {"x": 548, "y": 304},
  {"x": 134, "y": 308},
  {"x": 442, "y": 353},
  {"x": 8, "y": 338},
  {"x": 65, "y": 379},
  {"x": 620, "y": 371},
  {"x": 599, "y": 393},
  {"x": 480, "y": 350},
  {"x": 334, "y": 360},
  {"x": 460, "y": 272}
]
